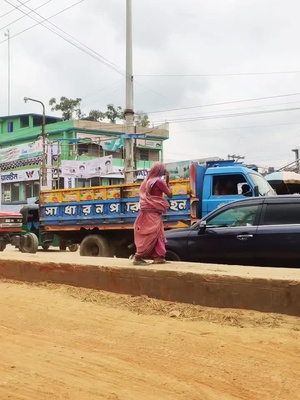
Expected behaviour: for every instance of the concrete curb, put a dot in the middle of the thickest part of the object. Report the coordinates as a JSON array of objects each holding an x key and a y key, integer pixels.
[{"x": 212, "y": 290}]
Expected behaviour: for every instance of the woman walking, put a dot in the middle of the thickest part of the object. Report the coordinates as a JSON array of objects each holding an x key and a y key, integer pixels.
[{"x": 149, "y": 236}]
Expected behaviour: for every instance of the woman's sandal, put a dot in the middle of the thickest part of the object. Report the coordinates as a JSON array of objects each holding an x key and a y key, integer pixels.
[
  {"x": 140, "y": 262},
  {"x": 160, "y": 260}
]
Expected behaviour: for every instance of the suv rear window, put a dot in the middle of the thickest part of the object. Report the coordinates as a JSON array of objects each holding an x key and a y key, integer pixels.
[{"x": 282, "y": 214}]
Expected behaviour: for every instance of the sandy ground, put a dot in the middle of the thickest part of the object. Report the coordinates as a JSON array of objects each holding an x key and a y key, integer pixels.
[{"x": 60, "y": 342}]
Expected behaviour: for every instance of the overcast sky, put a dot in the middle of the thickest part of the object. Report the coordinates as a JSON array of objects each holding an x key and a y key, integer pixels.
[{"x": 187, "y": 55}]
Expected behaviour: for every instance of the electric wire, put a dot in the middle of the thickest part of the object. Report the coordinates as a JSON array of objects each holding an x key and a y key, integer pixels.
[
  {"x": 224, "y": 102},
  {"x": 18, "y": 19},
  {"x": 218, "y": 74},
  {"x": 10, "y": 11},
  {"x": 71, "y": 39}
]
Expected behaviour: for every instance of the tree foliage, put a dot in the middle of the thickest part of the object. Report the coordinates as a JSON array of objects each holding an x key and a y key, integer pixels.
[
  {"x": 69, "y": 107},
  {"x": 142, "y": 119},
  {"x": 95, "y": 115}
]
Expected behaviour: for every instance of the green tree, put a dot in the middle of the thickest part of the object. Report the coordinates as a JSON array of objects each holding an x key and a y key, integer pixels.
[
  {"x": 141, "y": 119},
  {"x": 95, "y": 115},
  {"x": 67, "y": 106},
  {"x": 113, "y": 113}
]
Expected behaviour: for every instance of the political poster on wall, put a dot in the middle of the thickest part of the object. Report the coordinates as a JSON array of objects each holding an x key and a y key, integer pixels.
[{"x": 86, "y": 169}]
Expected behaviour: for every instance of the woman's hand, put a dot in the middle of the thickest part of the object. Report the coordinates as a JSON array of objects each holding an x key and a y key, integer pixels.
[{"x": 167, "y": 178}]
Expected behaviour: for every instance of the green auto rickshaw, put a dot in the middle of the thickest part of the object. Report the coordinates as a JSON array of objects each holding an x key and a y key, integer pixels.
[{"x": 31, "y": 224}]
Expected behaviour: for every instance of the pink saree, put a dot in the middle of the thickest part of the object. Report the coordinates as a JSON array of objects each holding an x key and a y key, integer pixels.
[{"x": 149, "y": 236}]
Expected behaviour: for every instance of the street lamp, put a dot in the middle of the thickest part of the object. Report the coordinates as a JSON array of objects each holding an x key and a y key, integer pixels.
[{"x": 44, "y": 166}]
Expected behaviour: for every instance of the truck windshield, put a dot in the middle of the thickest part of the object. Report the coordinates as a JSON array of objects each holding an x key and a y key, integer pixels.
[{"x": 264, "y": 188}]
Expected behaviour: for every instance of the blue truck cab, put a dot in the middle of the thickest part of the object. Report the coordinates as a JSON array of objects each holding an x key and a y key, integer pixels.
[{"x": 221, "y": 182}]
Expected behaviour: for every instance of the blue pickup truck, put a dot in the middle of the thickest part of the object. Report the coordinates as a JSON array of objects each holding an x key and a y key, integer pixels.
[{"x": 101, "y": 219}]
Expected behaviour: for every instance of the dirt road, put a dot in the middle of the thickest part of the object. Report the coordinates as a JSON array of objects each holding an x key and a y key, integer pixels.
[{"x": 59, "y": 342}]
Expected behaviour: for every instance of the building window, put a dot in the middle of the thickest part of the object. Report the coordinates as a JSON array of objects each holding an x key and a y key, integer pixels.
[
  {"x": 92, "y": 182},
  {"x": 89, "y": 149},
  {"x": 32, "y": 189},
  {"x": 115, "y": 181},
  {"x": 24, "y": 121},
  {"x": 10, "y": 192},
  {"x": 10, "y": 126},
  {"x": 144, "y": 154},
  {"x": 115, "y": 154},
  {"x": 95, "y": 181}
]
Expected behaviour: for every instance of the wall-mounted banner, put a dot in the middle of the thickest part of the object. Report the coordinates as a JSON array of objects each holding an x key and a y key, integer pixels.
[
  {"x": 113, "y": 145},
  {"x": 152, "y": 144},
  {"x": 118, "y": 173},
  {"x": 109, "y": 143},
  {"x": 21, "y": 151},
  {"x": 181, "y": 169},
  {"x": 20, "y": 176},
  {"x": 86, "y": 169}
]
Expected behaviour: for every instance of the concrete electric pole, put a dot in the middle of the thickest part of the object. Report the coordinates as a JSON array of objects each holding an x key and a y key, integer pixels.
[
  {"x": 129, "y": 113},
  {"x": 296, "y": 151}
]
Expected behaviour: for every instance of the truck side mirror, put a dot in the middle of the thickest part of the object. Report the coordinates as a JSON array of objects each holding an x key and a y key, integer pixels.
[{"x": 202, "y": 227}]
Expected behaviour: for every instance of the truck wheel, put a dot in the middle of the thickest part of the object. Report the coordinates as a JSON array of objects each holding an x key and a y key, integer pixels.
[
  {"x": 172, "y": 256},
  {"x": 30, "y": 243},
  {"x": 45, "y": 247},
  {"x": 62, "y": 245},
  {"x": 73, "y": 247},
  {"x": 94, "y": 246},
  {"x": 2, "y": 246}
]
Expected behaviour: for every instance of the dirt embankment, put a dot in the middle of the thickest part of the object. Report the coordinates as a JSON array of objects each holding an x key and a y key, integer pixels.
[{"x": 59, "y": 342}]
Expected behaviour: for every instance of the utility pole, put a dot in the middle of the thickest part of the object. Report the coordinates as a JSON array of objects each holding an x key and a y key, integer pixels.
[
  {"x": 8, "y": 70},
  {"x": 296, "y": 151},
  {"x": 235, "y": 157},
  {"x": 44, "y": 154},
  {"x": 129, "y": 113}
]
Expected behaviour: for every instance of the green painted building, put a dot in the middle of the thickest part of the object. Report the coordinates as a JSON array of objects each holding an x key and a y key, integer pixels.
[{"x": 73, "y": 140}]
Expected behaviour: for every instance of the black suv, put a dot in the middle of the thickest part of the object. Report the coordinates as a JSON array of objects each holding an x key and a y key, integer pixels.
[{"x": 256, "y": 231}]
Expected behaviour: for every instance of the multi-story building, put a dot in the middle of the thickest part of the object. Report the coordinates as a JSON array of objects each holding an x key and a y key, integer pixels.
[{"x": 73, "y": 140}]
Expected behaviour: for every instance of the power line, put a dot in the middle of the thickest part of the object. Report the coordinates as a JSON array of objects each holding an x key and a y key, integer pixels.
[
  {"x": 238, "y": 127},
  {"x": 32, "y": 26},
  {"x": 10, "y": 11},
  {"x": 18, "y": 19},
  {"x": 207, "y": 117},
  {"x": 237, "y": 109},
  {"x": 218, "y": 74},
  {"x": 81, "y": 46},
  {"x": 223, "y": 103},
  {"x": 103, "y": 60},
  {"x": 103, "y": 88}
]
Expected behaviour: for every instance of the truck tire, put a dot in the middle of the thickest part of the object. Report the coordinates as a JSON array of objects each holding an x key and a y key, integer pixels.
[
  {"x": 2, "y": 246},
  {"x": 63, "y": 245},
  {"x": 172, "y": 256},
  {"x": 73, "y": 247},
  {"x": 30, "y": 243},
  {"x": 94, "y": 246}
]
